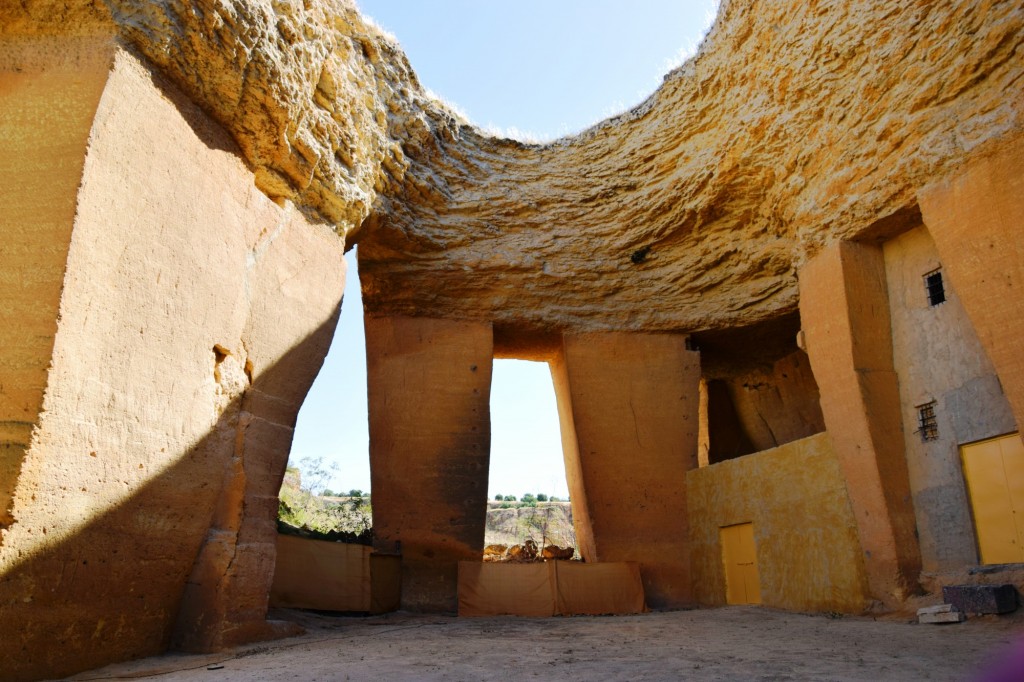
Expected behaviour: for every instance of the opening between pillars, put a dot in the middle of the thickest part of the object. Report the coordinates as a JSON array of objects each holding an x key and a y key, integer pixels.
[
  {"x": 528, "y": 508},
  {"x": 327, "y": 485}
]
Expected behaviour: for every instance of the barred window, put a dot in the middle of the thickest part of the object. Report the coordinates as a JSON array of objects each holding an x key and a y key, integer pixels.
[
  {"x": 927, "y": 426},
  {"x": 934, "y": 288}
]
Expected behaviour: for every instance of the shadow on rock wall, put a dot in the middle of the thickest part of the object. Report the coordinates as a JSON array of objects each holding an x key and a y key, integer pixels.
[{"x": 193, "y": 545}]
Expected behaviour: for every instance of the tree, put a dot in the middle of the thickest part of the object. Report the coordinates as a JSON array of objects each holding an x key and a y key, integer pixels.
[
  {"x": 510, "y": 498},
  {"x": 499, "y": 497},
  {"x": 541, "y": 497},
  {"x": 355, "y": 492},
  {"x": 316, "y": 474},
  {"x": 327, "y": 492},
  {"x": 529, "y": 497}
]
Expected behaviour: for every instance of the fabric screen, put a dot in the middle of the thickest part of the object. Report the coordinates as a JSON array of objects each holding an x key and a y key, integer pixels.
[
  {"x": 315, "y": 574},
  {"x": 551, "y": 588}
]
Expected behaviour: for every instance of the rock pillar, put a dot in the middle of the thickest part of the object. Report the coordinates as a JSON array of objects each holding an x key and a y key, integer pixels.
[
  {"x": 976, "y": 219},
  {"x": 844, "y": 310},
  {"x": 165, "y": 322},
  {"x": 628, "y": 408},
  {"x": 429, "y": 387},
  {"x": 49, "y": 91}
]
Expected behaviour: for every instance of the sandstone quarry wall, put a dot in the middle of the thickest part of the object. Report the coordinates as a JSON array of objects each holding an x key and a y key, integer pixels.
[
  {"x": 194, "y": 313},
  {"x": 183, "y": 177},
  {"x": 797, "y": 123},
  {"x": 49, "y": 91},
  {"x": 628, "y": 406},
  {"x": 844, "y": 307},
  {"x": 429, "y": 384}
]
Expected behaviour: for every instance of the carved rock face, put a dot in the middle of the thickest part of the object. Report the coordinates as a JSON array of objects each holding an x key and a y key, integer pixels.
[{"x": 795, "y": 125}]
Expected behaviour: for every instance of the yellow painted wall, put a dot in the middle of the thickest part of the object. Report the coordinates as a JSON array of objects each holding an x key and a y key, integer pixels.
[{"x": 808, "y": 555}]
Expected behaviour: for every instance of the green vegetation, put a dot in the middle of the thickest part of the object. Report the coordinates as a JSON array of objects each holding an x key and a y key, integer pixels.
[
  {"x": 514, "y": 523},
  {"x": 306, "y": 507},
  {"x": 527, "y": 500},
  {"x": 309, "y": 508}
]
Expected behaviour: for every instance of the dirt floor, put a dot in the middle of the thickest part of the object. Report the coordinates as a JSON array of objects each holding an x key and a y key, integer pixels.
[{"x": 735, "y": 643}]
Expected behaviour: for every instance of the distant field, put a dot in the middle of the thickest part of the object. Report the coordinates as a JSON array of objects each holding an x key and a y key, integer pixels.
[
  {"x": 546, "y": 524},
  {"x": 508, "y": 523}
]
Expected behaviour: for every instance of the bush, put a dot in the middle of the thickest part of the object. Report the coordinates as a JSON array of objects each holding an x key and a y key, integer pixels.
[
  {"x": 528, "y": 500},
  {"x": 510, "y": 498},
  {"x": 304, "y": 509},
  {"x": 555, "y": 499}
]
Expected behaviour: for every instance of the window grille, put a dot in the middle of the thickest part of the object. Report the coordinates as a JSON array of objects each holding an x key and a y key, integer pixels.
[
  {"x": 933, "y": 286},
  {"x": 927, "y": 425}
]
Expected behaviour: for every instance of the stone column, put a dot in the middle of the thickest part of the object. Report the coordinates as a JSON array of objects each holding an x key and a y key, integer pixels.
[
  {"x": 628, "y": 408},
  {"x": 844, "y": 310},
  {"x": 194, "y": 313},
  {"x": 49, "y": 91},
  {"x": 976, "y": 218},
  {"x": 429, "y": 386}
]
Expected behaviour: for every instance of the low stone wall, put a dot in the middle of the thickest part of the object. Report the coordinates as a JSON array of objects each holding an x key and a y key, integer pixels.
[{"x": 808, "y": 553}]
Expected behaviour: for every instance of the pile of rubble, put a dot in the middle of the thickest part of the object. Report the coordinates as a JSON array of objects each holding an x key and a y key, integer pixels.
[{"x": 527, "y": 552}]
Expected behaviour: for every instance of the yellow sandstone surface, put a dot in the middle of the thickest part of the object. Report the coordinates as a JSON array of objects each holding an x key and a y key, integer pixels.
[
  {"x": 180, "y": 180},
  {"x": 796, "y": 124}
]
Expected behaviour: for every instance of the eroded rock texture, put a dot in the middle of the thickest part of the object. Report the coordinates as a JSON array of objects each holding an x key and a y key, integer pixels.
[
  {"x": 167, "y": 318},
  {"x": 798, "y": 123}
]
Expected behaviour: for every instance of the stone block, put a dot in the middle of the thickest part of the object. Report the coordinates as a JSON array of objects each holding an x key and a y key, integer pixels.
[
  {"x": 429, "y": 384},
  {"x": 628, "y": 410},
  {"x": 943, "y": 613},
  {"x": 981, "y": 598},
  {"x": 844, "y": 310}
]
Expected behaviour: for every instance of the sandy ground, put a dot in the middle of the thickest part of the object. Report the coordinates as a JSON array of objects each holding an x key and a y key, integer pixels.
[{"x": 735, "y": 643}]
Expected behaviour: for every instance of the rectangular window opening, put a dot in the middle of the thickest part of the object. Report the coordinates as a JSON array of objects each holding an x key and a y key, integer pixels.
[
  {"x": 933, "y": 286},
  {"x": 927, "y": 425}
]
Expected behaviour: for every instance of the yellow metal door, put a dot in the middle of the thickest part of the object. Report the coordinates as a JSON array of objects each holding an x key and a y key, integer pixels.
[
  {"x": 739, "y": 554},
  {"x": 994, "y": 470}
]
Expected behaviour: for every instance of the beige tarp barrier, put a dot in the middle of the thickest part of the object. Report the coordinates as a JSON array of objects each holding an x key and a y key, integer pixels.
[
  {"x": 385, "y": 583},
  {"x": 315, "y": 574},
  {"x": 497, "y": 589},
  {"x": 595, "y": 589},
  {"x": 546, "y": 589}
]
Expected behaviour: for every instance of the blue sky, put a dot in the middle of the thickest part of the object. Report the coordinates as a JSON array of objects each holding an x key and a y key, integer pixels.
[{"x": 530, "y": 69}]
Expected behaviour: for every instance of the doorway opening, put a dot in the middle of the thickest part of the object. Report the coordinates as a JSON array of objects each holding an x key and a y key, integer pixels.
[
  {"x": 326, "y": 489},
  {"x": 739, "y": 558},
  {"x": 528, "y": 508}
]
